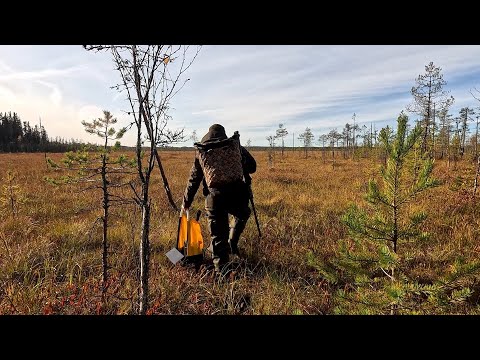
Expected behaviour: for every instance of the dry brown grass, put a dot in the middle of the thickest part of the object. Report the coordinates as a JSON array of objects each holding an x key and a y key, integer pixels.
[{"x": 50, "y": 253}]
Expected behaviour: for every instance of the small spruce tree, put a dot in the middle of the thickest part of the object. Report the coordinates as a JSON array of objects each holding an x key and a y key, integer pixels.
[
  {"x": 98, "y": 170},
  {"x": 370, "y": 272}
]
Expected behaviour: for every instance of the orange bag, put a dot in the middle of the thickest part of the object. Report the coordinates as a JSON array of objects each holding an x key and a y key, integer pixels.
[{"x": 189, "y": 233}]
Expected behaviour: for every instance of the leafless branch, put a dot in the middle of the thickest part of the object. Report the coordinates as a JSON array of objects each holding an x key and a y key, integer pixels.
[
  {"x": 137, "y": 197},
  {"x": 478, "y": 91}
]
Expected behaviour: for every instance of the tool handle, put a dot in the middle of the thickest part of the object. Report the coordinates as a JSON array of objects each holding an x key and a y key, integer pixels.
[{"x": 186, "y": 211}]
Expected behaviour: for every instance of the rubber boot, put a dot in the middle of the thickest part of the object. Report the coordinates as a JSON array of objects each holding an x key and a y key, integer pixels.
[
  {"x": 233, "y": 240},
  {"x": 220, "y": 263},
  {"x": 234, "y": 236}
]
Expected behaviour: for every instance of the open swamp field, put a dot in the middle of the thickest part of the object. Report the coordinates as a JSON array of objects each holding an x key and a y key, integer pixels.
[{"x": 51, "y": 243}]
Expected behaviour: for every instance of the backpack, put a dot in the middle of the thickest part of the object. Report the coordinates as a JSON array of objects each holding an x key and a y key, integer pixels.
[
  {"x": 221, "y": 163},
  {"x": 189, "y": 236}
]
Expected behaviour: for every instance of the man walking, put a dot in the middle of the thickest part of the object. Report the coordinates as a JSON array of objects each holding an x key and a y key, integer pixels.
[{"x": 222, "y": 164}]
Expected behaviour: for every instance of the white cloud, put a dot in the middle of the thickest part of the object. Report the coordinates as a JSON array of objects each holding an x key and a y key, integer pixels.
[
  {"x": 247, "y": 88},
  {"x": 56, "y": 95},
  {"x": 208, "y": 111},
  {"x": 42, "y": 74},
  {"x": 4, "y": 68},
  {"x": 7, "y": 95},
  {"x": 290, "y": 82}
]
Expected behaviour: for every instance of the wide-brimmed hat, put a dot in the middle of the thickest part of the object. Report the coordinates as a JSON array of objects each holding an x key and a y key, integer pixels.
[{"x": 215, "y": 132}]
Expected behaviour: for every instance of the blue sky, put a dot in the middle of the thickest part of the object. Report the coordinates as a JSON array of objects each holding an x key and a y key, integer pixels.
[{"x": 246, "y": 88}]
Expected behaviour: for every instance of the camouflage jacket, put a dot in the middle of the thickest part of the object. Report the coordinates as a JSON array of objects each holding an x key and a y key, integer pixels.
[{"x": 197, "y": 175}]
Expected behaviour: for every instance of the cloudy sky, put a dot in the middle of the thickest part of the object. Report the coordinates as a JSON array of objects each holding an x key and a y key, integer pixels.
[{"x": 246, "y": 88}]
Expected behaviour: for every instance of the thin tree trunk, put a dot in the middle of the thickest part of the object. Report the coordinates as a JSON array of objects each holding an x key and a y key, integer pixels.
[
  {"x": 144, "y": 251},
  {"x": 371, "y": 135},
  {"x": 427, "y": 119},
  {"x": 393, "y": 307},
  {"x": 462, "y": 141},
  {"x": 442, "y": 142},
  {"x": 395, "y": 204},
  {"x": 448, "y": 148},
  {"x": 475, "y": 184},
  {"x": 476, "y": 140},
  {"x": 105, "y": 226},
  {"x": 145, "y": 234},
  {"x": 353, "y": 152},
  {"x": 395, "y": 228},
  {"x": 333, "y": 157},
  {"x": 433, "y": 133}
]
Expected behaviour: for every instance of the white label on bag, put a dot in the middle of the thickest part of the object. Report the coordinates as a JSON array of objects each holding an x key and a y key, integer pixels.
[{"x": 174, "y": 255}]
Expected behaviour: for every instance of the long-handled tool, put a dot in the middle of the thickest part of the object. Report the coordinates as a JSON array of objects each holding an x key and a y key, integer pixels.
[
  {"x": 255, "y": 213},
  {"x": 248, "y": 180}
]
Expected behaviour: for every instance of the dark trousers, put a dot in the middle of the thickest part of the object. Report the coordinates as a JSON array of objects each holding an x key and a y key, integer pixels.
[{"x": 219, "y": 203}]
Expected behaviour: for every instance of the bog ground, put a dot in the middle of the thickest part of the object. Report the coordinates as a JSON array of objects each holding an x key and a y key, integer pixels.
[{"x": 50, "y": 250}]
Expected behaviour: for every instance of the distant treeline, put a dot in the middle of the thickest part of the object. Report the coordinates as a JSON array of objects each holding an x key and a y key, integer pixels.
[{"x": 18, "y": 136}]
